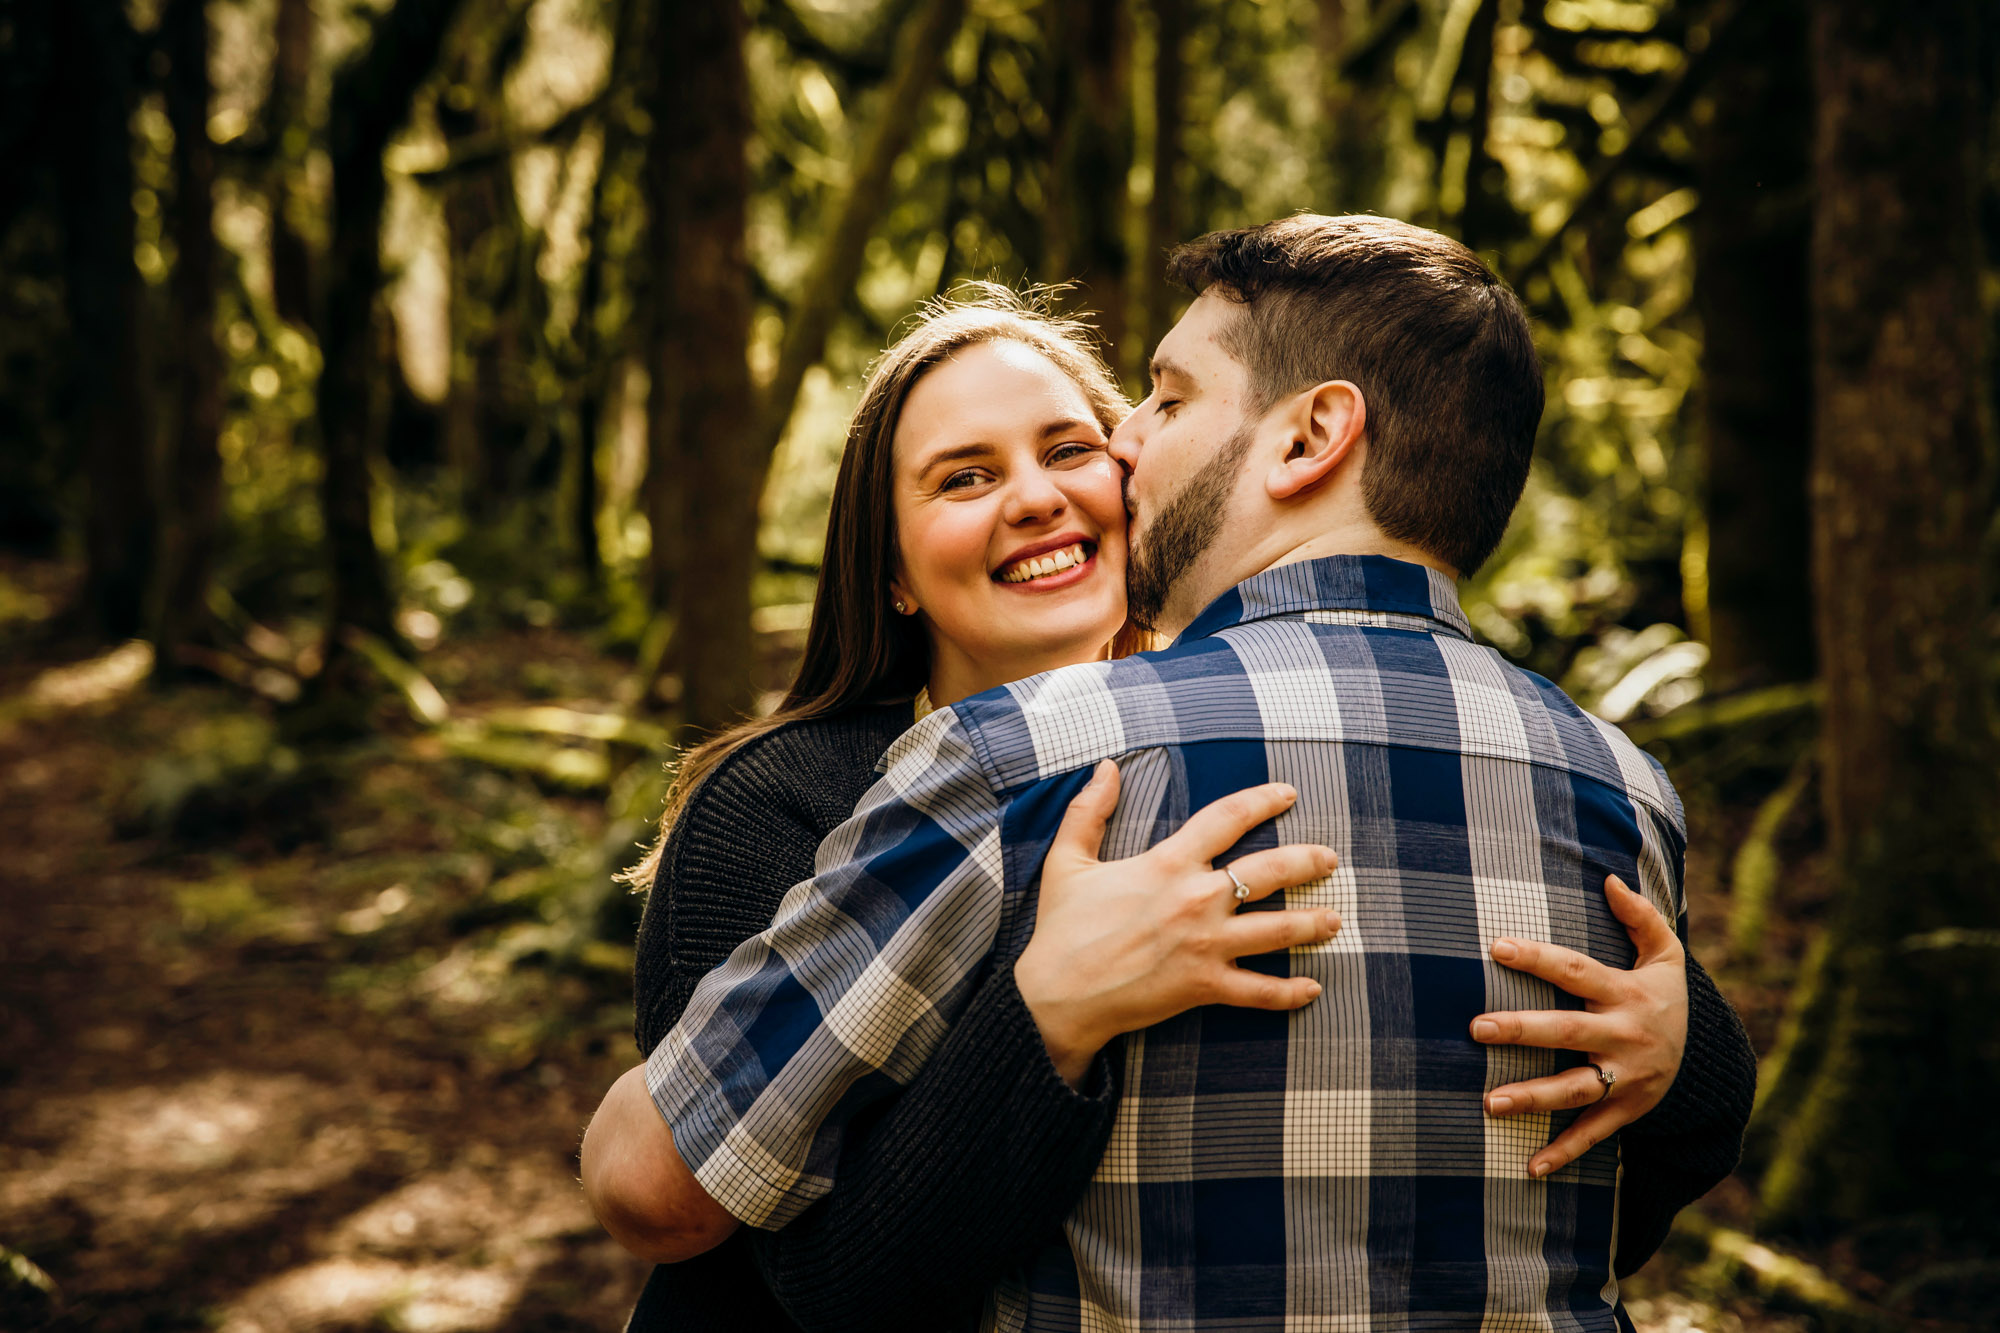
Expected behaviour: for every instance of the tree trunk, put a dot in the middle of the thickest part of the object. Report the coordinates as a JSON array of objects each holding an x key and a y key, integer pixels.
[
  {"x": 195, "y": 476},
  {"x": 107, "y": 310},
  {"x": 287, "y": 125},
  {"x": 1090, "y": 113},
  {"x": 1353, "y": 101},
  {"x": 1896, "y": 1114},
  {"x": 705, "y": 515},
  {"x": 1751, "y": 237},
  {"x": 371, "y": 99},
  {"x": 1163, "y": 211}
]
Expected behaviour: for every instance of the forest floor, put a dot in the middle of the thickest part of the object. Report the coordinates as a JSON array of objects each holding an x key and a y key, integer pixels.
[{"x": 312, "y": 1048}]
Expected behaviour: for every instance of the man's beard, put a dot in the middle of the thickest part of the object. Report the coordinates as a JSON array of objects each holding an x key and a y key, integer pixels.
[{"x": 1185, "y": 529}]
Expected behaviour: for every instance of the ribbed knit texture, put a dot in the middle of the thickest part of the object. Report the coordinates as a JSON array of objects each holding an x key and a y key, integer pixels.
[
  {"x": 975, "y": 1165},
  {"x": 967, "y": 1172}
]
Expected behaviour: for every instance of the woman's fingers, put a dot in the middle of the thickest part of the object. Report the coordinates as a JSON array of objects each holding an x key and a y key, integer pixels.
[
  {"x": 1254, "y": 990},
  {"x": 1558, "y": 1092},
  {"x": 1651, "y": 934},
  {"x": 1268, "y": 932},
  {"x": 1221, "y": 824},
  {"x": 1287, "y": 867},
  {"x": 1584, "y": 1133},
  {"x": 1579, "y": 974},
  {"x": 1081, "y": 835},
  {"x": 1554, "y": 1029}
]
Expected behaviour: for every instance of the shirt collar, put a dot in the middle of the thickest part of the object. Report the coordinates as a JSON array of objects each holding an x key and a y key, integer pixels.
[{"x": 1366, "y": 583}]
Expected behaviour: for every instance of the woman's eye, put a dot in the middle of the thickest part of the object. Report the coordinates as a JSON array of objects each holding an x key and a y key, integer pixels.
[
  {"x": 1165, "y": 406},
  {"x": 958, "y": 481},
  {"x": 1064, "y": 453}
]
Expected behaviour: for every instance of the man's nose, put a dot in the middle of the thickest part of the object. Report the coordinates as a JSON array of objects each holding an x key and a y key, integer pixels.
[{"x": 1125, "y": 440}]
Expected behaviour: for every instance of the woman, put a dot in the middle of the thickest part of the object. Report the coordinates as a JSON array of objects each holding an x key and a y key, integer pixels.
[{"x": 976, "y": 537}]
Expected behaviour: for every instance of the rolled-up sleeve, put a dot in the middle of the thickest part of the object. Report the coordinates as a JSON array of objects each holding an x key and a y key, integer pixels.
[{"x": 855, "y": 983}]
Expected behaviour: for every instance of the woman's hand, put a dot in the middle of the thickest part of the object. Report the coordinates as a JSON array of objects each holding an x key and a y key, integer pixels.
[
  {"x": 1122, "y": 945},
  {"x": 1633, "y": 1025}
]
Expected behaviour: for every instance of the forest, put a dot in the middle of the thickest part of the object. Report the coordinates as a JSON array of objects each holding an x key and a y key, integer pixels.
[{"x": 417, "y": 423}]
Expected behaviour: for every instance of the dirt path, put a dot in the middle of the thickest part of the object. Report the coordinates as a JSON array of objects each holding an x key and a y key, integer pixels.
[{"x": 224, "y": 1130}]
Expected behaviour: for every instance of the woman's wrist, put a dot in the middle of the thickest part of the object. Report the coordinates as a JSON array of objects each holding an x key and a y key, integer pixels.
[{"x": 1070, "y": 1046}]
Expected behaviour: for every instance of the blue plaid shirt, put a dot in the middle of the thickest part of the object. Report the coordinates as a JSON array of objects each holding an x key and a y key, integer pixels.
[{"x": 1326, "y": 1169}]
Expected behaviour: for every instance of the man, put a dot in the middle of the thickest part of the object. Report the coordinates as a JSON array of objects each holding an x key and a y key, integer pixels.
[{"x": 1339, "y": 426}]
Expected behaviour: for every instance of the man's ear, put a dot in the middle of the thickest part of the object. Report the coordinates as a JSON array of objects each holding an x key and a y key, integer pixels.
[{"x": 1325, "y": 423}]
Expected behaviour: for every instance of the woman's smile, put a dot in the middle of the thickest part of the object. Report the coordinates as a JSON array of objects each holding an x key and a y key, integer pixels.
[{"x": 1062, "y": 563}]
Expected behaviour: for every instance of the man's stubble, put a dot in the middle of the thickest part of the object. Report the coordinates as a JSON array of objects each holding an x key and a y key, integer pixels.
[{"x": 1168, "y": 547}]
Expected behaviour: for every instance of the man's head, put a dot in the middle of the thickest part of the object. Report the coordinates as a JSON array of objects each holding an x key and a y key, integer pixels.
[{"x": 1340, "y": 385}]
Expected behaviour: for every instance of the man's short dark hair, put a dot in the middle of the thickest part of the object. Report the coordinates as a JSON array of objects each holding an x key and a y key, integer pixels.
[{"x": 1438, "y": 346}]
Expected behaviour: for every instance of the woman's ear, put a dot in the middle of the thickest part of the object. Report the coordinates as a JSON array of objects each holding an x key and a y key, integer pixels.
[
  {"x": 1327, "y": 422},
  {"x": 900, "y": 599}
]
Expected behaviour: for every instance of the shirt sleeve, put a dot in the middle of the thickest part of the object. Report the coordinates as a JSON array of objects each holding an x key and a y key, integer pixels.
[{"x": 850, "y": 989}]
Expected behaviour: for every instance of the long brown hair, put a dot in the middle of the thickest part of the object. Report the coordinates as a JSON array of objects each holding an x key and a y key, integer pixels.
[{"x": 859, "y": 651}]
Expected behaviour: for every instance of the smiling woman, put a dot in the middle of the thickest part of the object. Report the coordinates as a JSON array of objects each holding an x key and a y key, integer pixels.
[{"x": 1011, "y": 515}]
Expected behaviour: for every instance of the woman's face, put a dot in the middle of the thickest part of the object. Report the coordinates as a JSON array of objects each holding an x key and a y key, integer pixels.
[{"x": 1011, "y": 518}]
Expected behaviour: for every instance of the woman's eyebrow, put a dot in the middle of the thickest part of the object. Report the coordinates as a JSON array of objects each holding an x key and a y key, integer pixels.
[{"x": 958, "y": 453}]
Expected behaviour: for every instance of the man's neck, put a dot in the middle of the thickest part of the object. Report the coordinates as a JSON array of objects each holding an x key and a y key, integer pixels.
[{"x": 1205, "y": 586}]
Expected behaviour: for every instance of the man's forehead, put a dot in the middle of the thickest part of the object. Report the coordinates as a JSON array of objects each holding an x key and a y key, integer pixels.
[{"x": 1192, "y": 348}]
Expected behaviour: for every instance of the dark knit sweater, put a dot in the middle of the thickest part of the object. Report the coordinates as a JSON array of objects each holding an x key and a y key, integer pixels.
[{"x": 973, "y": 1167}]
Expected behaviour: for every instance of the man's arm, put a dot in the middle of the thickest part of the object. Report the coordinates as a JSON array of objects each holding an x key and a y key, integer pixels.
[
  {"x": 844, "y": 996},
  {"x": 637, "y": 1184}
]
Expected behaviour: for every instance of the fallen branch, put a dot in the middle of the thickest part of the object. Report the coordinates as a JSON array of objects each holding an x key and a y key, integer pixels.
[
  {"x": 1731, "y": 710},
  {"x": 1779, "y": 1275}
]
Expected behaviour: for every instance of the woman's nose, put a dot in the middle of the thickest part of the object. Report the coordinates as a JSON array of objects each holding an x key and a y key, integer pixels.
[{"x": 1034, "y": 497}]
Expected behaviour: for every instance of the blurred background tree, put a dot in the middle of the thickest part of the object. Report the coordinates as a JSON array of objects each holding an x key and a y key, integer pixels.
[{"x": 467, "y": 378}]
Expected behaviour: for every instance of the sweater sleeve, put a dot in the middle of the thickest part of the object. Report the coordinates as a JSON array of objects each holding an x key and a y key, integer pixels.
[
  {"x": 973, "y": 1167},
  {"x": 1686, "y": 1145},
  {"x": 970, "y": 1167}
]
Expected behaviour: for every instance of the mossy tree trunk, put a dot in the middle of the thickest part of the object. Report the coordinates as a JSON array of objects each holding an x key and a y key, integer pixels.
[
  {"x": 1089, "y": 98},
  {"x": 94, "y": 99},
  {"x": 1894, "y": 1110},
  {"x": 194, "y": 477},
  {"x": 371, "y": 100},
  {"x": 1164, "y": 214},
  {"x": 1751, "y": 237},
  {"x": 706, "y": 472}
]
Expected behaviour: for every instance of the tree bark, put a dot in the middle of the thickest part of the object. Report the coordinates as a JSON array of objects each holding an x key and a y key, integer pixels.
[
  {"x": 95, "y": 54},
  {"x": 195, "y": 475},
  {"x": 1090, "y": 157},
  {"x": 1896, "y": 1114},
  {"x": 1751, "y": 238},
  {"x": 371, "y": 99},
  {"x": 1163, "y": 210},
  {"x": 705, "y": 484},
  {"x": 290, "y": 133}
]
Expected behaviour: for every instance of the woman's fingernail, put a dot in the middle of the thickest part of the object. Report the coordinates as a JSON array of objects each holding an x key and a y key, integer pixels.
[
  {"x": 1332, "y": 920},
  {"x": 1538, "y": 1170},
  {"x": 1499, "y": 1105},
  {"x": 1504, "y": 950},
  {"x": 1328, "y": 859},
  {"x": 1317, "y": 990},
  {"x": 1484, "y": 1029}
]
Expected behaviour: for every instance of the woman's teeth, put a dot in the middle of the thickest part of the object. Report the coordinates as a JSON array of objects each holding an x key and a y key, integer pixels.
[{"x": 1041, "y": 566}]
